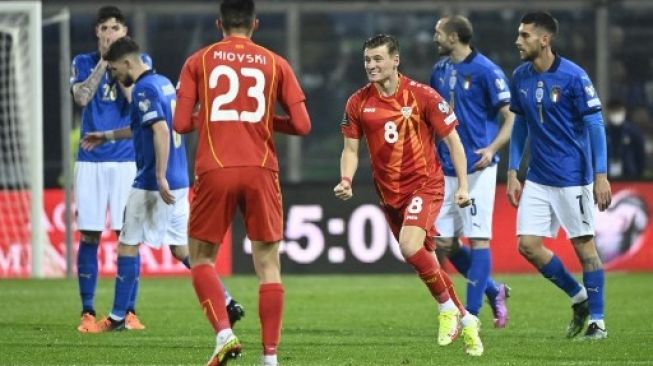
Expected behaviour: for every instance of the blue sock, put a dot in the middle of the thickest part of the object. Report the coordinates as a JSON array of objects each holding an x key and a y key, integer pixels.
[
  {"x": 87, "y": 269},
  {"x": 461, "y": 260},
  {"x": 131, "y": 306},
  {"x": 125, "y": 279},
  {"x": 594, "y": 284},
  {"x": 478, "y": 274},
  {"x": 492, "y": 288},
  {"x": 555, "y": 272},
  {"x": 186, "y": 262}
]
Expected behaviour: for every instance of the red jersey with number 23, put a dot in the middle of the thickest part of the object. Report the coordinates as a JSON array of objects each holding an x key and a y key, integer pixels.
[
  {"x": 400, "y": 131},
  {"x": 237, "y": 84}
]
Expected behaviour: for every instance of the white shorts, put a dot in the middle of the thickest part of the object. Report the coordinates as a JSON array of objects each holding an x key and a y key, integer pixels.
[
  {"x": 542, "y": 209},
  {"x": 475, "y": 220},
  {"x": 102, "y": 187},
  {"x": 149, "y": 220}
]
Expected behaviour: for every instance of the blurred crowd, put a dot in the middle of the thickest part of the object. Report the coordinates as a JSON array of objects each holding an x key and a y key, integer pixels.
[{"x": 330, "y": 67}]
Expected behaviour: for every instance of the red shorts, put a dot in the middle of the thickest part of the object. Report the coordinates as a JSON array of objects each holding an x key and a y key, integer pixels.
[
  {"x": 420, "y": 210},
  {"x": 218, "y": 192}
]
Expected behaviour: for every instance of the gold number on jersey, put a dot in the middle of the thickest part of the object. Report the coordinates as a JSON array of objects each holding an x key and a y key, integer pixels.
[
  {"x": 256, "y": 91},
  {"x": 109, "y": 92},
  {"x": 391, "y": 134}
]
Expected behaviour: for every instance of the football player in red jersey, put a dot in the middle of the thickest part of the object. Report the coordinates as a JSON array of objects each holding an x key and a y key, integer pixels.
[
  {"x": 237, "y": 83},
  {"x": 400, "y": 119}
]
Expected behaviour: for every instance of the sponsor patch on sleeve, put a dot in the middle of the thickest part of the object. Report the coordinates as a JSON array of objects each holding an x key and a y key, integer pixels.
[{"x": 149, "y": 116}]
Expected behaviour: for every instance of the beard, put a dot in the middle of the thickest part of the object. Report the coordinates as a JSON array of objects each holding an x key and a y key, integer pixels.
[
  {"x": 443, "y": 51},
  {"x": 528, "y": 56},
  {"x": 128, "y": 81}
]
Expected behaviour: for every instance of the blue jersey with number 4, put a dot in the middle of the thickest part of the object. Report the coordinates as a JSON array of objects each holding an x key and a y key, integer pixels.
[
  {"x": 153, "y": 101},
  {"x": 107, "y": 110},
  {"x": 552, "y": 104},
  {"x": 476, "y": 88}
]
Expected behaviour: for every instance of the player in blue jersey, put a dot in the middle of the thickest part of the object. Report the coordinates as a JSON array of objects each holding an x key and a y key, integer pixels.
[
  {"x": 557, "y": 108},
  {"x": 103, "y": 175},
  {"x": 157, "y": 207},
  {"x": 478, "y": 91}
]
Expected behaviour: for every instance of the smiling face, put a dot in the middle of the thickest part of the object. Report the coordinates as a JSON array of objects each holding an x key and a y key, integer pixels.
[
  {"x": 531, "y": 41},
  {"x": 380, "y": 65}
]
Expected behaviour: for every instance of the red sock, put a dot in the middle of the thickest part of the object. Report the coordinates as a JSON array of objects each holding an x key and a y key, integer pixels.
[
  {"x": 270, "y": 312},
  {"x": 211, "y": 296},
  {"x": 452, "y": 293},
  {"x": 429, "y": 271}
]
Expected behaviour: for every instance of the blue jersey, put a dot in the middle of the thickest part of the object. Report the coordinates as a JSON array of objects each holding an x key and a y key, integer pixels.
[
  {"x": 107, "y": 110},
  {"x": 153, "y": 101},
  {"x": 476, "y": 88},
  {"x": 553, "y": 104}
]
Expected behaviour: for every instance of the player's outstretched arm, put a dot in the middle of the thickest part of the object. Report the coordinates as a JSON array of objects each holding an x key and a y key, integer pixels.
[
  {"x": 161, "y": 152},
  {"x": 602, "y": 191},
  {"x": 348, "y": 166},
  {"x": 296, "y": 123},
  {"x": 487, "y": 153},
  {"x": 83, "y": 92},
  {"x": 516, "y": 151},
  {"x": 459, "y": 161},
  {"x": 93, "y": 139}
]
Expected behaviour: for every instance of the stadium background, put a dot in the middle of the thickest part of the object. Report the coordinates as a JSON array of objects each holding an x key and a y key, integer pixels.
[{"x": 322, "y": 40}]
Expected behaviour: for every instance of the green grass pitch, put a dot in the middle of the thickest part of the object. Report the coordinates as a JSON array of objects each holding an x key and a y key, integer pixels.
[{"x": 345, "y": 320}]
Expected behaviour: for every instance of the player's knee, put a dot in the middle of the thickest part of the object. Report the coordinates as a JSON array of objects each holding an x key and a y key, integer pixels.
[
  {"x": 447, "y": 246},
  {"x": 582, "y": 241},
  {"x": 527, "y": 248},
  {"x": 179, "y": 251}
]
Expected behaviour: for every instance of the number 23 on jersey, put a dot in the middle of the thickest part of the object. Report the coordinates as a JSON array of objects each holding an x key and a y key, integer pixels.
[{"x": 224, "y": 73}]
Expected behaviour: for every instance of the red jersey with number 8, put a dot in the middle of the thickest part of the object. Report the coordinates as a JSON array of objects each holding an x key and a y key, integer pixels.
[
  {"x": 400, "y": 131},
  {"x": 237, "y": 84}
]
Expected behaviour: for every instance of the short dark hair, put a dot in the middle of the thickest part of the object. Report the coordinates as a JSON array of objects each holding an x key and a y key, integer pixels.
[
  {"x": 383, "y": 39},
  {"x": 121, "y": 47},
  {"x": 107, "y": 12},
  {"x": 541, "y": 19},
  {"x": 237, "y": 13},
  {"x": 460, "y": 25}
]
